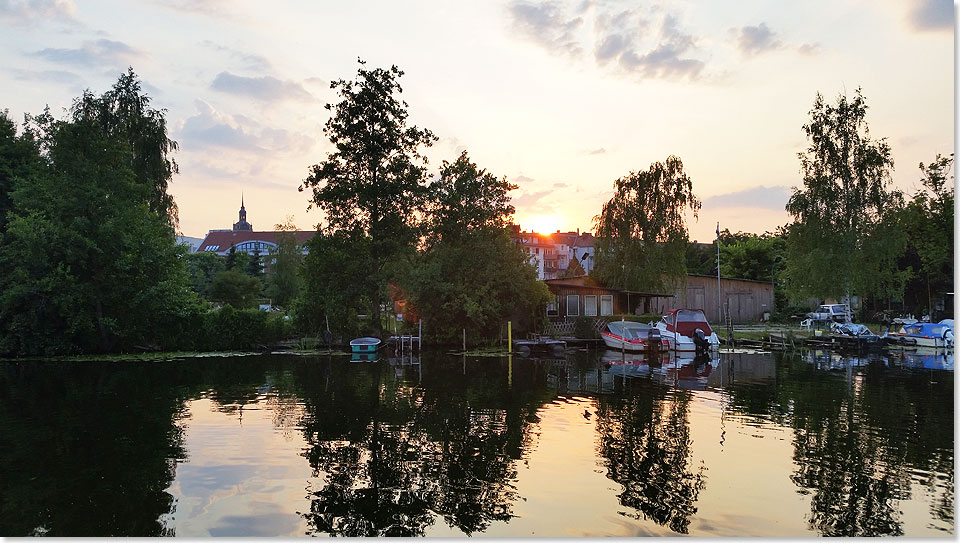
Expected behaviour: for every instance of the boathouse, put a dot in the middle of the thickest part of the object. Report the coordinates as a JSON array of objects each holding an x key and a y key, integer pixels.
[{"x": 583, "y": 297}]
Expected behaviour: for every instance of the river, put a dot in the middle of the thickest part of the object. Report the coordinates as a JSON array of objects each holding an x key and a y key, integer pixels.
[{"x": 593, "y": 444}]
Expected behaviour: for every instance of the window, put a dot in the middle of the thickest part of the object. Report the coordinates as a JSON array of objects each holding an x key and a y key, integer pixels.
[
  {"x": 606, "y": 305},
  {"x": 552, "y": 307},
  {"x": 573, "y": 305},
  {"x": 590, "y": 305}
]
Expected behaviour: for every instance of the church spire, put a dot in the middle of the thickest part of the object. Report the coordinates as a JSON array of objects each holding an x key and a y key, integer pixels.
[{"x": 242, "y": 224}]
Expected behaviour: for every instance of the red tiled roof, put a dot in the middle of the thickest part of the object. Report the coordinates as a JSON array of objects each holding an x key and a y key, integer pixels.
[{"x": 223, "y": 239}]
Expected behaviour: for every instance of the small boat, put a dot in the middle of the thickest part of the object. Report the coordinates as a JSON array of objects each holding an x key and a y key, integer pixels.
[
  {"x": 365, "y": 357},
  {"x": 680, "y": 328},
  {"x": 924, "y": 334},
  {"x": 633, "y": 336},
  {"x": 851, "y": 336},
  {"x": 365, "y": 344},
  {"x": 537, "y": 344}
]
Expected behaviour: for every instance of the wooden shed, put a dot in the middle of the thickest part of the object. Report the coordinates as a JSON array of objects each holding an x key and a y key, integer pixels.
[
  {"x": 745, "y": 299},
  {"x": 582, "y": 296}
]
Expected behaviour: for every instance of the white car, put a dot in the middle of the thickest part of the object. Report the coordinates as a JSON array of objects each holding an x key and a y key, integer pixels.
[{"x": 831, "y": 312}]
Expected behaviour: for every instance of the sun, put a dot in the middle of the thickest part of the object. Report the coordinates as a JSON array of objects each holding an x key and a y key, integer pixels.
[{"x": 544, "y": 224}]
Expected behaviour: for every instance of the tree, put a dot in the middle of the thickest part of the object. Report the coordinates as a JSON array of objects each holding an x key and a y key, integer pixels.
[
  {"x": 283, "y": 282},
  {"x": 88, "y": 265},
  {"x": 202, "y": 267},
  {"x": 928, "y": 223},
  {"x": 844, "y": 237},
  {"x": 235, "y": 288},
  {"x": 19, "y": 157},
  {"x": 574, "y": 269},
  {"x": 472, "y": 275},
  {"x": 124, "y": 112},
  {"x": 372, "y": 183},
  {"x": 641, "y": 236}
]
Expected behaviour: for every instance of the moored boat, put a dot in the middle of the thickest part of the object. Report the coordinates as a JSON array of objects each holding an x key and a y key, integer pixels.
[
  {"x": 365, "y": 344},
  {"x": 924, "y": 334},
  {"x": 633, "y": 336},
  {"x": 679, "y": 327}
]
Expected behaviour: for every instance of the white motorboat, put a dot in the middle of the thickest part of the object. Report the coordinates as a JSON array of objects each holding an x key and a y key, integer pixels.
[
  {"x": 632, "y": 336},
  {"x": 679, "y": 327}
]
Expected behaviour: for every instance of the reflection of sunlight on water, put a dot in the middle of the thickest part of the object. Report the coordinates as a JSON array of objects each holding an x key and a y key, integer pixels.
[{"x": 244, "y": 474}]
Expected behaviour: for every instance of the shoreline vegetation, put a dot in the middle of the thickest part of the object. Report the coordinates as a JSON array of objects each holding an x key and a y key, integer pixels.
[{"x": 92, "y": 268}]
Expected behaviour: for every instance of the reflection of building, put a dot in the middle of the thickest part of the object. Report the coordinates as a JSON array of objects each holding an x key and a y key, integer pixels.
[
  {"x": 246, "y": 239},
  {"x": 553, "y": 253}
]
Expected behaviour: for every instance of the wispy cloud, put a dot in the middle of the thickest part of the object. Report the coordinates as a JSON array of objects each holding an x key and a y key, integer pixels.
[
  {"x": 774, "y": 197},
  {"x": 245, "y": 60},
  {"x": 211, "y": 128},
  {"x": 758, "y": 39},
  {"x": 647, "y": 43},
  {"x": 49, "y": 76},
  {"x": 32, "y": 11},
  {"x": 102, "y": 52},
  {"x": 932, "y": 15},
  {"x": 267, "y": 88},
  {"x": 547, "y": 23},
  {"x": 598, "y": 151}
]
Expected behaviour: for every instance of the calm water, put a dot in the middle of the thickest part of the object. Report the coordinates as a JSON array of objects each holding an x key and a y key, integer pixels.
[{"x": 593, "y": 445}]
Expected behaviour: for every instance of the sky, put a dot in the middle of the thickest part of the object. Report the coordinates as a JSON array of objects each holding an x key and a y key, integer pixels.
[{"x": 561, "y": 98}]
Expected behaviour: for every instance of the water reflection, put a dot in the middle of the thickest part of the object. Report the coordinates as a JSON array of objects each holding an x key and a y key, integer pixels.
[{"x": 270, "y": 445}]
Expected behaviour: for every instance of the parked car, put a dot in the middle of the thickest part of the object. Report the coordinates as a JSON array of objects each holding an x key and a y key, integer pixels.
[{"x": 831, "y": 312}]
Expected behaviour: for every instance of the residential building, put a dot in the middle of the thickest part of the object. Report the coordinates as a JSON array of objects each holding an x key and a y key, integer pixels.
[{"x": 553, "y": 253}]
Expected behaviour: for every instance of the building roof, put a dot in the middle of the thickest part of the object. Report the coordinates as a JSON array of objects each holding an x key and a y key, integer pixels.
[{"x": 224, "y": 239}]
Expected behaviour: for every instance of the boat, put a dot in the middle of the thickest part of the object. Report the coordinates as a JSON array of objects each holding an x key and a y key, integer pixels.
[
  {"x": 851, "y": 336},
  {"x": 679, "y": 327},
  {"x": 633, "y": 336},
  {"x": 365, "y": 344},
  {"x": 924, "y": 334},
  {"x": 537, "y": 344}
]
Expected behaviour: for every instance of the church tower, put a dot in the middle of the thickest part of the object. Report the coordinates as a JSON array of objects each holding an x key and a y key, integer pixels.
[{"x": 242, "y": 224}]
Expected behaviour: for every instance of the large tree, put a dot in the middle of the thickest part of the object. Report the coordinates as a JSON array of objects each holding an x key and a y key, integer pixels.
[
  {"x": 844, "y": 238},
  {"x": 283, "y": 281},
  {"x": 372, "y": 184},
  {"x": 928, "y": 222},
  {"x": 641, "y": 233},
  {"x": 88, "y": 264},
  {"x": 471, "y": 275}
]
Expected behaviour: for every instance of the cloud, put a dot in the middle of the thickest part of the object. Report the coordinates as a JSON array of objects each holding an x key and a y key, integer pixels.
[
  {"x": 645, "y": 46},
  {"x": 267, "y": 88},
  {"x": 758, "y": 39},
  {"x": 92, "y": 53},
  {"x": 210, "y": 8},
  {"x": 560, "y": 185},
  {"x": 248, "y": 61},
  {"x": 932, "y": 15},
  {"x": 547, "y": 23},
  {"x": 49, "y": 76},
  {"x": 774, "y": 197},
  {"x": 31, "y": 11},
  {"x": 532, "y": 201},
  {"x": 599, "y": 151},
  {"x": 211, "y": 128}
]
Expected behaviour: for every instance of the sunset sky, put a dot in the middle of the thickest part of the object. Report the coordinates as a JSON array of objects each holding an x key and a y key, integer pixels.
[{"x": 561, "y": 98}]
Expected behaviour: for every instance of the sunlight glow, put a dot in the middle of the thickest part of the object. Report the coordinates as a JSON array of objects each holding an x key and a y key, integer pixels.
[{"x": 543, "y": 224}]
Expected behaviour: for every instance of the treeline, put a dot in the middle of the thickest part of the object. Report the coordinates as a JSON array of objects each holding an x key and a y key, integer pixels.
[
  {"x": 88, "y": 250},
  {"x": 852, "y": 233},
  {"x": 92, "y": 266}
]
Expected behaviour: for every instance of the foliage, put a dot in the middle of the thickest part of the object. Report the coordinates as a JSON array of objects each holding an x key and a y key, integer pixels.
[
  {"x": 202, "y": 267},
  {"x": 583, "y": 328},
  {"x": 283, "y": 283},
  {"x": 928, "y": 223},
  {"x": 89, "y": 266},
  {"x": 574, "y": 269},
  {"x": 124, "y": 113},
  {"x": 702, "y": 258},
  {"x": 336, "y": 281},
  {"x": 476, "y": 284},
  {"x": 235, "y": 288},
  {"x": 641, "y": 235},
  {"x": 371, "y": 185},
  {"x": 232, "y": 328},
  {"x": 19, "y": 158},
  {"x": 472, "y": 275},
  {"x": 255, "y": 265},
  {"x": 844, "y": 238}
]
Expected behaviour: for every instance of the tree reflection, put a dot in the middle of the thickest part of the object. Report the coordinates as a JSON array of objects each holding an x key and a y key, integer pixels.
[
  {"x": 862, "y": 439},
  {"x": 645, "y": 437},
  {"x": 87, "y": 449},
  {"x": 395, "y": 457}
]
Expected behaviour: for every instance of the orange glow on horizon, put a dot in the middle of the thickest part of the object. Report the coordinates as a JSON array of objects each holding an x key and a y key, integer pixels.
[{"x": 543, "y": 224}]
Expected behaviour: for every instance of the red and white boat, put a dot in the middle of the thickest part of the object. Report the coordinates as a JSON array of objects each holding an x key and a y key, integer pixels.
[
  {"x": 633, "y": 336},
  {"x": 679, "y": 328}
]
